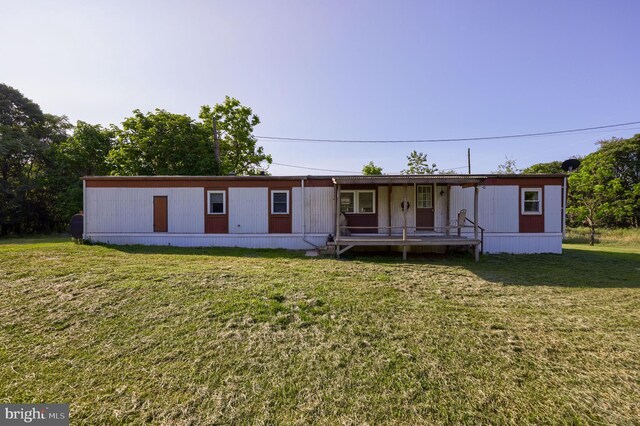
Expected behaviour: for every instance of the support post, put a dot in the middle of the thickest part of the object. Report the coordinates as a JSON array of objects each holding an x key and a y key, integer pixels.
[
  {"x": 404, "y": 222},
  {"x": 404, "y": 213},
  {"x": 389, "y": 209},
  {"x": 448, "y": 221},
  {"x": 475, "y": 212},
  {"x": 337, "y": 236}
]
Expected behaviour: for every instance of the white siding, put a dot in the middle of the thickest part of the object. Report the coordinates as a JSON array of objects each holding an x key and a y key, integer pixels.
[
  {"x": 319, "y": 213},
  {"x": 498, "y": 207},
  {"x": 291, "y": 241},
  {"x": 248, "y": 210},
  {"x": 131, "y": 209},
  {"x": 397, "y": 196},
  {"x": 440, "y": 203},
  {"x": 523, "y": 243},
  {"x": 461, "y": 198},
  {"x": 321, "y": 208},
  {"x": 552, "y": 205}
]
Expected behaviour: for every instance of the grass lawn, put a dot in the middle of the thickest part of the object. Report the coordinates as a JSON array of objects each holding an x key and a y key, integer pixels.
[
  {"x": 201, "y": 336},
  {"x": 609, "y": 237}
]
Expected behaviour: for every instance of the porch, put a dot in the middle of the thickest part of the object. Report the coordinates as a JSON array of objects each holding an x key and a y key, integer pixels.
[{"x": 407, "y": 212}]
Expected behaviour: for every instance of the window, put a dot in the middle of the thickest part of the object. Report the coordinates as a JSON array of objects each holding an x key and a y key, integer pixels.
[
  {"x": 424, "y": 197},
  {"x": 217, "y": 202},
  {"x": 365, "y": 201},
  {"x": 279, "y": 202},
  {"x": 358, "y": 201},
  {"x": 348, "y": 202},
  {"x": 531, "y": 201}
]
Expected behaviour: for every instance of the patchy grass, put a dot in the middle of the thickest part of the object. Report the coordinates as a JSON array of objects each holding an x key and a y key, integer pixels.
[
  {"x": 608, "y": 237},
  {"x": 202, "y": 336}
]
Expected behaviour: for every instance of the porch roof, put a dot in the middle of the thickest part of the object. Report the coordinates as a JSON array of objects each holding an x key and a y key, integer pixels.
[{"x": 410, "y": 179}]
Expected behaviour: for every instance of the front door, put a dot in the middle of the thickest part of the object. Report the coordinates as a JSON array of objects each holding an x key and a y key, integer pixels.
[
  {"x": 160, "y": 214},
  {"x": 424, "y": 208}
]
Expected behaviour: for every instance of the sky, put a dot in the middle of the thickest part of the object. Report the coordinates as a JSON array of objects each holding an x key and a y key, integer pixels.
[{"x": 391, "y": 70}]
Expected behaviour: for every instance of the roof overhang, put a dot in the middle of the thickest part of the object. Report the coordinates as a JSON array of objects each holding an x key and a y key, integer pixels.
[{"x": 462, "y": 180}]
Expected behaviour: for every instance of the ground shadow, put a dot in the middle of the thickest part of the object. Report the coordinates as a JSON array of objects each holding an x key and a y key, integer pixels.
[
  {"x": 208, "y": 251},
  {"x": 576, "y": 267}
]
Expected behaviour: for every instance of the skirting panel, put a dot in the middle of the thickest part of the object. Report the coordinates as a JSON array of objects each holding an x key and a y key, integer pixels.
[
  {"x": 284, "y": 241},
  {"x": 523, "y": 243}
]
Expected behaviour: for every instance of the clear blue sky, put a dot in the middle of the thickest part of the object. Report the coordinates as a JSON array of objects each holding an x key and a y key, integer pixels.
[{"x": 343, "y": 69}]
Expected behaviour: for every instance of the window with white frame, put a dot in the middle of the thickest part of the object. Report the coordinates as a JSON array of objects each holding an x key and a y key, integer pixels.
[
  {"x": 347, "y": 202},
  {"x": 362, "y": 201},
  {"x": 279, "y": 202},
  {"x": 531, "y": 201},
  {"x": 217, "y": 202}
]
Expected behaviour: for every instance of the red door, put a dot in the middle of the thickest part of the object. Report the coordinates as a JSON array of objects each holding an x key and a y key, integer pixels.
[
  {"x": 424, "y": 208},
  {"x": 160, "y": 220}
]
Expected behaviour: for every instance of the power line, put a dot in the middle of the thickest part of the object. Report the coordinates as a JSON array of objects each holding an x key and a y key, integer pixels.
[
  {"x": 344, "y": 171},
  {"x": 314, "y": 168},
  {"x": 514, "y": 136}
]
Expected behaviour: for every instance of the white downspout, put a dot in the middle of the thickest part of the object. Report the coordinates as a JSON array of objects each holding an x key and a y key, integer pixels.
[
  {"x": 304, "y": 217},
  {"x": 564, "y": 208}
]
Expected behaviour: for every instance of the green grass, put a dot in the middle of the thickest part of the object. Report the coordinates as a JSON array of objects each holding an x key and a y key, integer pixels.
[
  {"x": 202, "y": 336},
  {"x": 604, "y": 236}
]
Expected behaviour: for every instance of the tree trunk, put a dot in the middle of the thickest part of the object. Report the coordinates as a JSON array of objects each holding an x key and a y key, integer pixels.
[{"x": 592, "y": 235}]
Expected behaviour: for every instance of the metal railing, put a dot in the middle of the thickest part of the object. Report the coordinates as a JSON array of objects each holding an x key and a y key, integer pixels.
[{"x": 481, "y": 234}]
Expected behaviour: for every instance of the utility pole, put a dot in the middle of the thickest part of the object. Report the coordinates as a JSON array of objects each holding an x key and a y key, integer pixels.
[
  {"x": 216, "y": 144},
  {"x": 469, "y": 159}
]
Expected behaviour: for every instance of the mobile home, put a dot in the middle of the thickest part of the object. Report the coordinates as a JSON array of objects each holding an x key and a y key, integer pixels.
[{"x": 489, "y": 213}]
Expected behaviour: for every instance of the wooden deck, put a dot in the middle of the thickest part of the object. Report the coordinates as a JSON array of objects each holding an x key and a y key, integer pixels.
[{"x": 344, "y": 243}]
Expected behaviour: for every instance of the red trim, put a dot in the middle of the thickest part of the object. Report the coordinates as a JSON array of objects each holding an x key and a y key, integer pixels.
[
  {"x": 533, "y": 181},
  {"x": 363, "y": 219},
  {"x": 140, "y": 182},
  {"x": 280, "y": 223},
  {"x": 216, "y": 223},
  {"x": 532, "y": 223}
]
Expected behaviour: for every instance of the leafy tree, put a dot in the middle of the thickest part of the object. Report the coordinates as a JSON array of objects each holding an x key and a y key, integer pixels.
[
  {"x": 605, "y": 190},
  {"x": 27, "y": 136},
  {"x": 447, "y": 172},
  {"x": 417, "y": 164},
  {"x": 83, "y": 154},
  {"x": 545, "y": 168},
  {"x": 371, "y": 169},
  {"x": 239, "y": 152},
  {"x": 509, "y": 167},
  {"x": 161, "y": 143}
]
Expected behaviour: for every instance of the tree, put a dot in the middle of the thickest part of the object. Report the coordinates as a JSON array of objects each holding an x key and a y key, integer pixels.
[
  {"x": 27, "y": 136},
  {"x": 371, "y": 169},
  {"x": 509, "y": 167},
  {"x": 417, "y": 165},
  {"x": 83, "y": 154},
  {"x": 545, "y": 168},
  {"x": 605, "y": 190},
  {"x": 161, "y": 143},
  {"x": 239, "y": 152}
]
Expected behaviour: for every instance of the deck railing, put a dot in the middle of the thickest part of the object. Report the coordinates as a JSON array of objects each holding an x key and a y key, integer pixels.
[
  {"x": 377, "y": 229},
  {"x": 481, "y": 234}
]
